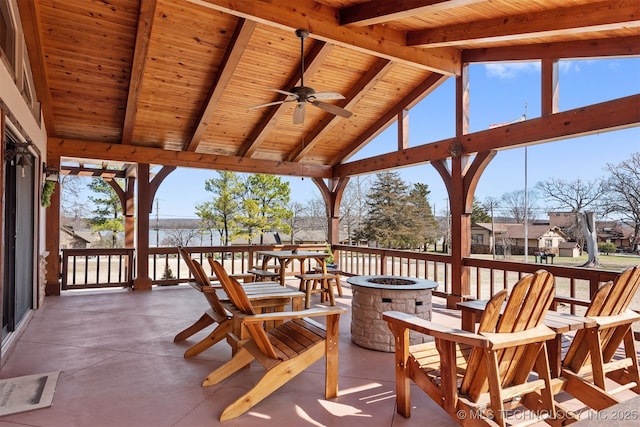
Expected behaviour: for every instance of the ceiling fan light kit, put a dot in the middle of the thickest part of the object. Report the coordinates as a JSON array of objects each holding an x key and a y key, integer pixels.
[{"x": 303, "y": 94}]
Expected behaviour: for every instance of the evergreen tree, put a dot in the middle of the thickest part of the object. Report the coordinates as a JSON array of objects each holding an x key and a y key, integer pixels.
[
  {"x": 221, "y": 213},
  {"x": 479, "y": 213},
  {"x": 425, "y": 227},
  {"x": 107, "y": 214}
]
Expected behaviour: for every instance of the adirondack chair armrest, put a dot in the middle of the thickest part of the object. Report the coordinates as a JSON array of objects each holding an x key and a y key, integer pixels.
[
  {"x": 626, "y": 317},
  {"x": 433, "y": 329},
  {"x": 509, "y": 339},
  {"x": 286, "y": 315}
]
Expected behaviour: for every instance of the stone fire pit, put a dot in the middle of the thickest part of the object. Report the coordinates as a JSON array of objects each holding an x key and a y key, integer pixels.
[{"x": 374, "y": 294}]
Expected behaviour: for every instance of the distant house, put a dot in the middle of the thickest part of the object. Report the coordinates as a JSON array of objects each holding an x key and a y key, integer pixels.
[
  {"x": 510, "y": 238},
  {"x": 71, "y": 239},
  {"x": 616, "y": 232}
]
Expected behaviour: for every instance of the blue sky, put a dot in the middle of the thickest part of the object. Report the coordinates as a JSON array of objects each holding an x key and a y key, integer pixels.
[{"x": 499, "y": 93}]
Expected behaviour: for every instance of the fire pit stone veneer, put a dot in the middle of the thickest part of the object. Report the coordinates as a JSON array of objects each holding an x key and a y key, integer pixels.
[{"x": 373, "y": 295}]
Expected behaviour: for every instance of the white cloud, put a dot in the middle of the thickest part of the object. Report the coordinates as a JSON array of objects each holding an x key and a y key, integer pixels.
[{"x": 511, "y": 70}]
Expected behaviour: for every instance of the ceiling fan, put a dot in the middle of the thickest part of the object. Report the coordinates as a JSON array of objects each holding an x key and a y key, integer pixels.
[{"x": 303, "y": 94}]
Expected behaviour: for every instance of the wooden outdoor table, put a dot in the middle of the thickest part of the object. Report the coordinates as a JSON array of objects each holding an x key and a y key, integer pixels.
[
  {"x": 286, "y": 257},
  {"x": 560, "y": 323}
]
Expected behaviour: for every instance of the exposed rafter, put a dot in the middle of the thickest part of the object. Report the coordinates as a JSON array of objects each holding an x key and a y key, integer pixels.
[
  {"x": 375, "y": 73},
  {"x": 380, "y": 41},
  {"x": 380, "y": 11},
  {"x": 318, "y": 52},
  {"x": 600, "y": 16},
  {"x": 232, "y": 57}
]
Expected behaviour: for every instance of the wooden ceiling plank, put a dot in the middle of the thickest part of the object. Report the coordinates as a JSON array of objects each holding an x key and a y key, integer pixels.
[
  {"x": 612, "y": 47},
  {"x": 314, "y": 59},
  {"x": 321, "y": 21},
  {"x": 424, "y": 89},
  {"x": 380, "y": 11},
  {"x": 31, "y": 26},
  {"x": 373, "y": 75},
  {"x": 143, "y": 38},
  {"x": 566, "y": 20},
  {"x": 130, "y": 153},
  {"x": 606, "y": 116},
  {"x": 233, "y": 54}
]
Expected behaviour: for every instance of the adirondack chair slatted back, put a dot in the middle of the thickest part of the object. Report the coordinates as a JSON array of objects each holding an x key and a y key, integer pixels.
[
  {"x": 202, "y": 280},
  {"x": 525, "y": 309},
  {"x": 611, "y": 299},
  {"x": 239, "y": 299}
]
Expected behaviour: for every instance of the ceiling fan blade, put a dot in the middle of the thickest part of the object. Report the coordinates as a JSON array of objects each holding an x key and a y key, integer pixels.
[
  {"x": 268, "y": 104},
  {"x": 298, "y": 113},
  {"x": 285, "y": 92},
  {"x": 333, "y": 109},
  {"x": 327, "y": 96}
]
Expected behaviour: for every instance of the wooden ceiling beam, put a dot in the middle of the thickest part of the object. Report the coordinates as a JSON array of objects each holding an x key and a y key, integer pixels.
[
  {"x": 30, "y": 21},
  {"x": 322, "y": 22},
  {"x": 60, "y": 147},
  {"x": 368, "y": 81},
  {"x": 621, "y": 46},
  {"x": 606, "y": 116},
  {"x": 420, "y": 92},
  {"x": 380, "y": 11},
  {"x": 239, "y": 41},
  {"x": 314, "y": 59},
  {"x": 601, "y": 16},
  {"x": 96, "y": 172},
  {"x": 143, "y": 37}
]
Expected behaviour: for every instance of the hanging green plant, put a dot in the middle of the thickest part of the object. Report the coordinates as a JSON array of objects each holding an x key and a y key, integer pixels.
[{"x": 47, "y": 192}]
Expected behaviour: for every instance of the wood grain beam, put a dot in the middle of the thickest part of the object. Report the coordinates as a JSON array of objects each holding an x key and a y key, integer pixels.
[
  {"x": 606, "y": 116},
  {"x": 380, "y": 11},
  {"x": 418, "y": 94},
  {"x": 355, "y": 94},
  {"x": 143, "y": 37},
  {"x": 601, "y": 16},
  {"x": 31, "y": 26},
  {"x": 322, "y": 22},
  {"x": 313, "y": 60},
  {"x": 619, "y": 46},
  {"x": 239, "y": 41},
  {"x": 135, "y": 154},
  {"x": 94, "y": 172}
]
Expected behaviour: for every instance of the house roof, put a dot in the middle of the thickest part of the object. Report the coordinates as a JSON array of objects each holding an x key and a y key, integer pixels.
[
  {"x": 172, "y": 81},
  {"x": 516, "y": 231}
]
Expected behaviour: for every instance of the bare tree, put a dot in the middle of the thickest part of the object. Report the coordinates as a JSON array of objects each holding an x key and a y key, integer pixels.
[
  {"x": 296, "y": 222},
  {"x": 623, "y": 197},
  {"x": 354, "y": 206},
  {"x": 514, "y": 202},
  {"x": 577, "y": 196},
  {"x": 179, "y": 236}
]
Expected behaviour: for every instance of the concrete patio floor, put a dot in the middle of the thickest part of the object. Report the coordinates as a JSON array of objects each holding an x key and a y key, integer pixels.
[{"x": 120, "y": 367}]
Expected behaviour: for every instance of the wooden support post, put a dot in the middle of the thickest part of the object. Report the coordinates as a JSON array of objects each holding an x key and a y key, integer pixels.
[
  {"x": 52, "y": 235},
  {"x": 142, "y": 281}
]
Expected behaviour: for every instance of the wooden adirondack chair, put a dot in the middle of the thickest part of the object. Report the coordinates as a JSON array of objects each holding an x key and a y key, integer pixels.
[
  {"x": 217, "y": 313},
  {"x": 475, "y": 377},
  {"x": 590, "y": 357},
  {"x": 283, "y": 351}
]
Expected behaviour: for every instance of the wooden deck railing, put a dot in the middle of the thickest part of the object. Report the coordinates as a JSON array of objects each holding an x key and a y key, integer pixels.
[{"x": 84, "y": 268}]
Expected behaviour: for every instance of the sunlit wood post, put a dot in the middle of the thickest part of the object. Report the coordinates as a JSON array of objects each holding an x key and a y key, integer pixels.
[
  {"x": 142, "y": 281},
  {"x": 52, "y": 235}
]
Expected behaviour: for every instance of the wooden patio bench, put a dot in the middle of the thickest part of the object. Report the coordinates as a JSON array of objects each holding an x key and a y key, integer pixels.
[
  {"x": 322, "y": 283},
  {"x": 261, "y": 275}
]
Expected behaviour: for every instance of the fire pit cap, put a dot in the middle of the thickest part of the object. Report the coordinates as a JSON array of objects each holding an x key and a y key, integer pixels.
[{"x": 392, "y": 282}]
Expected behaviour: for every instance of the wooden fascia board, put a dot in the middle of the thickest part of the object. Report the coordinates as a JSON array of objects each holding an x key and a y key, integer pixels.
[
  {"x": 74, "y": 170},
  {"x": 131, "y": 153},
  {"x": 601, "y": 16},
  {"x": 30, "y": 21},
  {"x": 143, "y": 38},
  {"x": 233, "y": 54},
  {"x": 380, "y": 11},
  {"x": 606, "y": 116},
  {"x": 322, "y": 22},
  {"x": 371, "y": 77},
  {"x": 313, "y": 60},
  {"x": 597, "y": 48},
  {"x": 419, "y": 93}
]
